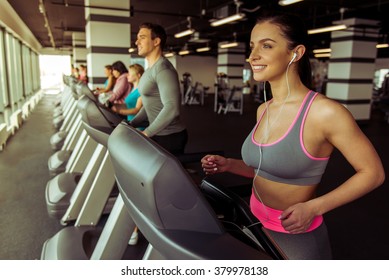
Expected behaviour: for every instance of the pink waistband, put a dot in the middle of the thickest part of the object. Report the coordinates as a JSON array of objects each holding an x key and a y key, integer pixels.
[{"x": 269, "y": 216}]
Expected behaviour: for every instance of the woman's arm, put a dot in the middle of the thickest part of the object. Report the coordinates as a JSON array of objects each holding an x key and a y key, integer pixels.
[
  {"x": 340, "y": 130},
  {"x": 213, "y": 164},
  {"x": 109, "y": 86},
  {"x": 123, "y": 110},
  {"x": 111, "y": 83}
]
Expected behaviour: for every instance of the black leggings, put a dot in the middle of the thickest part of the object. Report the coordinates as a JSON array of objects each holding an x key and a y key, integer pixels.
[{"x": 173, "y": 143}]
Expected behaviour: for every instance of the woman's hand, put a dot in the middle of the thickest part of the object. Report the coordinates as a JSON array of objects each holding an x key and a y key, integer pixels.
[
  {"x": 213, "y": 164},
  {"x": 144, "y": 133},
  {"x": 115, "y": 108},
  {"x": 297, "y": 218}
]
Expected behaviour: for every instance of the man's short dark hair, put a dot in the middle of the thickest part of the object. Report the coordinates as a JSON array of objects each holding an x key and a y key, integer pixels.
[{"x": 157, "y": 31}]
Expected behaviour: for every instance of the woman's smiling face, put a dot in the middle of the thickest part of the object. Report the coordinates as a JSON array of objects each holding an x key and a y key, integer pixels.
[{"x": 269, "y": 52}]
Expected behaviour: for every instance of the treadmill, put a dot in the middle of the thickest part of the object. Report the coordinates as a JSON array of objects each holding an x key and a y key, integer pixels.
[
  {"x": 179, "y": 219},
  {"x": 67, "y": 192},
  {"x": 89, "y": 201}
]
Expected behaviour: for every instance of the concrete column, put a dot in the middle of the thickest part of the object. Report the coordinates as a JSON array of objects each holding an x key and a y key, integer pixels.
[
  {"x": 231, "y": 61},
  {"x": 108, "y": 36},
  {"x": 352, "y": 65},
  {"x": 79, "y": 48}
]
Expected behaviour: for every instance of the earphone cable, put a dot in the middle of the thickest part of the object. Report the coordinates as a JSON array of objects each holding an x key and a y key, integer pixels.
[{"x": 266, "y": 134}]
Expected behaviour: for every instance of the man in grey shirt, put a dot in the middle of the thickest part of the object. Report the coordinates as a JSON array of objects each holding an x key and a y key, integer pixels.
[{"x": 159, "y": 87}]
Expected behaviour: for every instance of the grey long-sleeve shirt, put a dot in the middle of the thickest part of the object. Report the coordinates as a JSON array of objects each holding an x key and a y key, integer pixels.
[{"x": 159, "y": 87}]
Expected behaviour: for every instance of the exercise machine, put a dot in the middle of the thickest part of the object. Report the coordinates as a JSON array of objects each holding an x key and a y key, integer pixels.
[
  {"x": 227, "y": 99},
  {"x": 171, "y": 211},
  {"x": 67, "y": 192},
  {"x": 95, "y": 194},
  {"x": 192, "y": 94},
  {"x": 72, "y": 130}
]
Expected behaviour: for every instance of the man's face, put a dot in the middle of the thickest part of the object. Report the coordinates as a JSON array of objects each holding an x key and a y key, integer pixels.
[{"x": 145, "y": 43}]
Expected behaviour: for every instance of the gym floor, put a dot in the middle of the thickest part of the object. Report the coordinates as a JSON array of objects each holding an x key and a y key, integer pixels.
[{"x": 357, "y": 231}]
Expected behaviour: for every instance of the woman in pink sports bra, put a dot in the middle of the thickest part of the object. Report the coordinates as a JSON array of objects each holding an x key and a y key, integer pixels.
[{"x": 287, "y": 151}]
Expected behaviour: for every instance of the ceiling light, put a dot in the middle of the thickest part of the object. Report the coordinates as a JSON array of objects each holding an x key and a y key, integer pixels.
[
  {"x": 203, "y": 49},
  {"x": 41, "y": 8},
  {"x": 183, "y": 52},
  {"x": 187, "y": 32},
  {"x": 237, "y": 16},
  {"x": 131, "y": 50},
  {"x": 46, "y": 22},
  {"x": 323, "y": 55},
  {"x": 227, "y": 19},
  {"x": 287, "y": 2},
  {"x": 322, "y": 50},
  {"x": 228, "y": 45},
  {"x": 169, "y": 54},
  {"x": 184, "y": 33},
  {"x": 327, "y": 29},
  {"x": 381, "y": 46}
]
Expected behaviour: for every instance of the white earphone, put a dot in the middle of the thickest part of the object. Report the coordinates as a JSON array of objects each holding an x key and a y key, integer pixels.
[{"x": 293, "y": 58}]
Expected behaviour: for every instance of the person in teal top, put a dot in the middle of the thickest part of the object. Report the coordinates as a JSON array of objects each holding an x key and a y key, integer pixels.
[
  {"x": 132, "y": 105},
  {"x": 133, "y": 101}
]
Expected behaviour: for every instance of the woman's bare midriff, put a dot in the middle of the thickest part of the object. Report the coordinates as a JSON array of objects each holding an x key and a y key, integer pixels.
[{"x": 281, "y": 196}]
